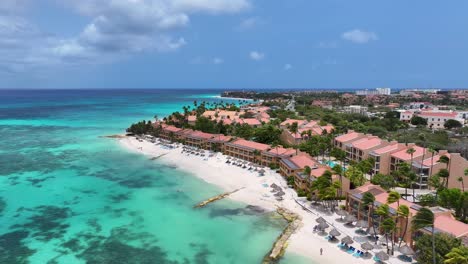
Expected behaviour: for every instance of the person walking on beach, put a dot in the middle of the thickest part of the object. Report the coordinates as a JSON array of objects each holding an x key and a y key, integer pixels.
[{"x": 321, "y": 251}]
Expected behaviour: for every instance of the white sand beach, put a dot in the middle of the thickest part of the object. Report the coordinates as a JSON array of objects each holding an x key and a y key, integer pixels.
[{"x": 256, "y": 191}]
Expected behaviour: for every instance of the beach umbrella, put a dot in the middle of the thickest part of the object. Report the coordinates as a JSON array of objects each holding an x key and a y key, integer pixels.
[
  {"x": 347, "y": 240},
  {"x": 382, "y": 256},
  {"x": 262, "y": 171},
  {"x": 334, "y": 233},
  {"x": 362, "y": 224},
  {"x": 350, "y": 219},
  {"x": 367, "y": 246},
  {"x": 228, "y": 157},
  {"x": 320, "y": 220},
  {"x": 322, "y": 226},
  {"x": 341, "y": 212},
  {"x": 405, "y": 250},
  {"x": 273, "y": 185}
]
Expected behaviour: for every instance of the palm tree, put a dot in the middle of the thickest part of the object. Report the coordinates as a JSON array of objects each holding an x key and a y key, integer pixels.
[
  {"x": 457, "y": 255},
  {"x": 368, "y": 200},
  {"x": 383, "y": 211},
  {"x": 338, "y": 170},
  {"x": 422, "y": 137},
  {"x": 403, "y": 211},
  {"x": 410, "y": 151},
  {"x": 389, "y": 227},
  {"x": 393, "y": 196},
  {"x": 425, "y": 218},
  {"x": 432, "y": 151},
  {"x": 446, "y": 160}
]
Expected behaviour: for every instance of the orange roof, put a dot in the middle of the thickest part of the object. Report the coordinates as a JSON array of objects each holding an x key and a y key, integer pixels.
[
  {"x": 199, "y": 134},
  {"x": 319, "y": 171},
  {"x": 386, "y": 149},
  {"x": 438, "y": 114},
  {"x": 447, "y": 223},
  {"x": 220, "y": 138},
  {"x": 172, "y": 129},
  {"x": 303, "y": 160},
  {"x": 402, "y": 155},
  {"x": 292, "y": 121},
  {"x": 347, "y": 137},
  {"x": 367, "y": 143},
  {"x": 249, "y": 121},
  {"x": 280, "y": 151},
  {"x": 250, "y": 144}
]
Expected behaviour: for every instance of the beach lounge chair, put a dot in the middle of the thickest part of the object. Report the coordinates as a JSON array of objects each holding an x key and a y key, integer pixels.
[
  {"x": 351, "y": 250},
  {"x": 341, "y": 245}
]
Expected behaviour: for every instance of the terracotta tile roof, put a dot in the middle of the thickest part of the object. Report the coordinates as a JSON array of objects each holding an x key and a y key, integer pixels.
[
  {"x": 402, "y": 155},
  {"x": 438, "y": 114},
  {"x": 367, "y": 143},
  {"x": 192, "y": 118},
  {"x": 220, "y": 138},
  {"x": 386, "y": 149},
  {"x": 319, "y": 171},
  {"x": 292, "y": 121},
  {"x": 368, "y": 187},
  {"x": 447, "y": 223},
  {"x": 280, "y": 151},
  {"x": 347, "y": 137},
  {"x": 300, "y": 161},
  {"x": 200, "y": 135},
  {"x": 250, "y": 144},
  {"x": 249, "y": 121},
  {"x": 172, "y": 128}
]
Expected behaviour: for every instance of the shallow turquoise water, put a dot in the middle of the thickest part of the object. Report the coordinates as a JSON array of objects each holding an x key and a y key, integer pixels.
[{"x": 69, "y": 196}]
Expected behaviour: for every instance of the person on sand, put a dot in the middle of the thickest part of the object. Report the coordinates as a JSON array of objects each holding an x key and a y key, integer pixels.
[{"x": 321, "y": 251}]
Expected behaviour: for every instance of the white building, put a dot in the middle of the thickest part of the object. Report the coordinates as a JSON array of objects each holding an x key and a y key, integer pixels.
[
  {"x": 435, "y": 119},
  {"x": 377, "y": 91},
  {"x": 356, "y": 109}
]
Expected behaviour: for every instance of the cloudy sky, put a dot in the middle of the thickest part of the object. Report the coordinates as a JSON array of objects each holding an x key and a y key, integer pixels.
[{"x": 233, "y": 43}]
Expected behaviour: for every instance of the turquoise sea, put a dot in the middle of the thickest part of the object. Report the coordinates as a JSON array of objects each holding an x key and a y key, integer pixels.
[{"x": 67, "y": 195}]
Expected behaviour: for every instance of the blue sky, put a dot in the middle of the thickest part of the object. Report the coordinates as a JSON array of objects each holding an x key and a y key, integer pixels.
[{"x": 233, "y": 43}]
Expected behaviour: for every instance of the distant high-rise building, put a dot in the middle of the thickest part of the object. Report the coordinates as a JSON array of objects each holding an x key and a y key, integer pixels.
[{"x": 376, "y": 91}]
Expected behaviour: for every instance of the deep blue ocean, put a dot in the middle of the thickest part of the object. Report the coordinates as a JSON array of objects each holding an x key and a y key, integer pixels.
[{"x": 68, "y": 195}]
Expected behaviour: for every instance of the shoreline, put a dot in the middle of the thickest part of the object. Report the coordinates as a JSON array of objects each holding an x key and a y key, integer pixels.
[{"x": 255, "y": 191}]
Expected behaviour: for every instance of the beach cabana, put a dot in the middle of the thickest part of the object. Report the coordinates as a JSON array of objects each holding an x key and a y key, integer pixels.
[
  {"x": 320, "y": 220},
  {"x": 349, "y": 219},
  {"x": 407, "y": 252},
  {"x": 367, "y": 246},
  {"x": 381, "y": 257},
  {"x": 347, "y": 240}
]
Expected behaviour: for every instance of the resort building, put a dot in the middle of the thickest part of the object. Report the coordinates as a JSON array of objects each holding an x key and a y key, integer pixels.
[
  {"x": 216, "y": 143},
  {"x": 305, "y": 129},
  {"x": 431, "y": 165},
  {"x": 381, "y": 157},
  {"x": 169, "y": 132},
  {"x": 404, "y": 155},
  {"x": 245, "y": 149},
  {"x": 275, "y": 154},
  {"x": 388, "y": 155},
  {"x": 359, "y": 149},
  {"x": 341, "y": 141},
  {"x": 435, "y": 118},
  {"x": 444, "y": 221},
  {"x": 294, "y": 166},
  {"x": 198, "y": 139}
]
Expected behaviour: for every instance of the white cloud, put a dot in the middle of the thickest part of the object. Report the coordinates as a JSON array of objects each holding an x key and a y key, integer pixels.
[
  {"x": 256, "y": 56},
  {"x": 287, "y": 67},
  {"x": 115, "y": 29},
  {"x": 359, "y": 36},
  {"x": 218, "y": 60}
]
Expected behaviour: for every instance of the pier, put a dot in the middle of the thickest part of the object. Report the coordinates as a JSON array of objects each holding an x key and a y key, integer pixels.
[
  {"x": 280, "y": 244},
  {"x": 216, "y": 198}
]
